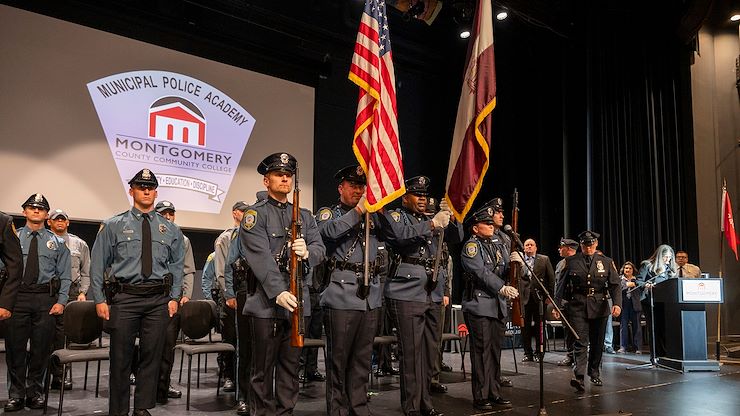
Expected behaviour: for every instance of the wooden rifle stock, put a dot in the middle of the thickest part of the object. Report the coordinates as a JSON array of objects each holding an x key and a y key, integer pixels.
[
  {"x": 297, "y": 329},
  {"x": 517, "y": 317}
]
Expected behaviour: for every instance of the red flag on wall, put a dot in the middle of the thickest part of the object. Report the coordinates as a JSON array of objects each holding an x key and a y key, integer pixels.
[{"x": 728, "y": 224}]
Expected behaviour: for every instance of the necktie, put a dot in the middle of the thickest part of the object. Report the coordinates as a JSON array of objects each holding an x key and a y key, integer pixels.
[
  {"x": 588, "y": 261},
  {"x": 680, "y": 271},
  {"x": 31, "y": 272},
  {"x": 146, "y": 247}
]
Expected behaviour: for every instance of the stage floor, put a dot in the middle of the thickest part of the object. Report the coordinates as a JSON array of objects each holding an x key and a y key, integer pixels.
[{"x": 640, "y": 392}]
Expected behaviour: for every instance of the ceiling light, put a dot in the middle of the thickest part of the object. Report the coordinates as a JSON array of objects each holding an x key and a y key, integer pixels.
[
  {"x": 502, "y": 15},
  {"x": 464, "y": 34},
  {"x": 735, "y": 17}
]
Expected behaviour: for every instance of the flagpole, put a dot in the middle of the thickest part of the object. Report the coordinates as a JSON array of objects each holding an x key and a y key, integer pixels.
[{"x": 721, "y": 268}]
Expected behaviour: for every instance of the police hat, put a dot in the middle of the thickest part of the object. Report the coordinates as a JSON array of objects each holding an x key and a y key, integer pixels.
[
  {"x": 497, "y": 204},
  {"x": 567, "y": 242},
  {"x": 588, "y": 237},
  {"x": 240, "y": 205},
  {"x": 38, "y": 201},
  {"x": 145, "y": 177},
  {"x": 484, "y": 214},
  {"x": 352, "y": 173},
  {"x": 58, "y": 213},
  {"x": 278, "y": 161},
  {"x": 418, "y": 185},
  {"x": 163, "y": 206},
  {"x": 261, "y": 196}
]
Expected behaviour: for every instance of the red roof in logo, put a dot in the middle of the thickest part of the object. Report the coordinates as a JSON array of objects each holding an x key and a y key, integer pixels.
[{"x": 177, "y": 120}]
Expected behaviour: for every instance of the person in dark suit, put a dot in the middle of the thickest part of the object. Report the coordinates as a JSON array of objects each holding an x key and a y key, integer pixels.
[
  {"x": 531, "y": 295},
  {"x": 589, "y": 279},
  {"x": 631, "y": 310},
  {"x": 11, "y": 265},
  {"x": 566, "y": 248},
  {"x": 659, "y": 267}
]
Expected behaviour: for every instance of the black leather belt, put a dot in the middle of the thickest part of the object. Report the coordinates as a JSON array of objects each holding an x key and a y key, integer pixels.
[
  {"x": 145, "y": 289},
  {"x": 588, "y": 291},
  {"x": 356, "y": 267},
  {"x": 421, "y": 261},
  {"x": 34, "y": 288}
]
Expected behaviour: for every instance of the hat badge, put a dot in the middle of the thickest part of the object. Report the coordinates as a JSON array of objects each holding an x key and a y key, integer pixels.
[
  {"x": 145, "y": 174},
  {"x": 360, "y": 172},
  {"x": 490, "y": 211},
  {"x": 284, "y": 158},
  {"x": 422, "y": 181},
  {"x": 166, "y": 203},
  {"x": 38, "y": 198}
]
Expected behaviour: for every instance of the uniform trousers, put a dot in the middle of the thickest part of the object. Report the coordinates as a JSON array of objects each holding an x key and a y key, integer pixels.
[
  {"x": 349, "y": 336},
  {"x": 383, "y": 352},
  {"x": 531, "y": 325},
  {"x": 569, "y": 338},
  {"x": 314, "y": 326},
  {"x": 437, "y": 369},
  {"x": 486, "y": 334},
  {"x": 30, "y": 321},
  {"x": 74, "y": 291},
  {"x": 168, "y": 356},
  {"x": 418, "y": 350},
  {"x": 226, "y": 360},
  {"x": 244, "y": 348},
  {"x": 272, "y": 352},
  {"x": 147, "y": 316},
  {"x": 590, "y": 331}
]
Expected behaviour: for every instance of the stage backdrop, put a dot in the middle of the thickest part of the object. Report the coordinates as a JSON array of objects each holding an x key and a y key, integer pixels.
[{"x": 84, "y": 110}]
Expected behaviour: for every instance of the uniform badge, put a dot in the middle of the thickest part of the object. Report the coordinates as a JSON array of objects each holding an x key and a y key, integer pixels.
[
  {"x": 600, "y": 266},
  {"x": 284, "y": 158},
  {"x": 422, "y": 181},
  {"x": 146, "y": 174},
  {"x": 471, "y": 249},
  {"x": 360, "y": 172},
  {"x": 489, "y": 211},
  {"x": 250, "y": 218},
  {"x": 162, "y": 228},
  {"x": 324, "y": 214},
  {"x": 51, "y": 245},
  {"x": 396, "y": 216}
]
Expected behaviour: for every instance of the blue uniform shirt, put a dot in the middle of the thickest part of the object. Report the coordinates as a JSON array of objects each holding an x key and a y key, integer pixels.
[
  {"x": 209, "y": 274},
  {"x": 118, "y": 246},
  {"x": 54, "y": 259}
]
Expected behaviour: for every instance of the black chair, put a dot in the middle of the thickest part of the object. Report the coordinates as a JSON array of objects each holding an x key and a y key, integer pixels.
[
  {"x": 82, "y": 327},
  {"x": 462, "y": 342},
  {"x": 197, "y": 318},
  {"x": 312, "y": 343},
  {"x": 378, "y": 341}
]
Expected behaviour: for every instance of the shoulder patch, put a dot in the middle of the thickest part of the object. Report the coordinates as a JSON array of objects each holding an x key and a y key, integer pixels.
[
  {"x": 210, "y": 257},
  {"x": 102, "y": 225},
  {"x": 250, "y": 218},
  {"x": 325, "y": 214},
  {"x": 396, "y": 216},
  {"x": 471, "y": 249}
]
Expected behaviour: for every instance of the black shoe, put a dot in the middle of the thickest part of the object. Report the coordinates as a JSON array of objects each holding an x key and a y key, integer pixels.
[
  {"x": 566, "y": 362},
  {"x": 132, "y": 379},
  {"x": 242, "y": 408},
  {"x": 500, "y": 401},
  {"x": 35, "y": 403},
  {"x": 13, "y": 405},
  {"x": 56, "y": 384},
  {"x": 228, "y": 385},
  {"x": 141, "y": 412},
  {"x": 482, "y": 405},
  {"x": 392, "y": 371},
  {"x": 379, "y": 373},
  {"x": 316, "y": 376},
  {"x": 431, "y": 412},
  {"x": 172, "y": 393},
  {"x": 505, "y": 382},
  {"x": 527, "y": 358},
  {"x": 438, "y": 388},
  {"x": 596, "y": 381},
  {"x": 578, "y": 384},
  {"x": 609, "y": 350},
  {"x": 445, "y": 367},
  {"x": 537, "y": 358}
]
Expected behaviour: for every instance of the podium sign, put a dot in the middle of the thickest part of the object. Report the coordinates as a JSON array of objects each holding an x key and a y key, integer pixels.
[{"x": 701, "y": 291}]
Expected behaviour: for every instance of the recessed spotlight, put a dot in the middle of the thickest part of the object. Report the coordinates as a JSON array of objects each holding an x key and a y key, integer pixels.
[
  {"x": 502, "y": 15},
  {"x": 735, "y": 17},
  {"x": 464, "y": 34}
]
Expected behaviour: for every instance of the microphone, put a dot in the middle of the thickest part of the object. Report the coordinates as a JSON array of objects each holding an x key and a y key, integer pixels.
[{"x": 514, "y": 236}]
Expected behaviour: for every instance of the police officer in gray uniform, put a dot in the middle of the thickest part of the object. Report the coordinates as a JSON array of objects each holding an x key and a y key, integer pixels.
[
  {"x": 589, "y": 279},
  {"x": 11, "y": 265},
  {"x": 485, "y": 260},
  {"x": 145, "y": 254},
  {"x": 263, "y": 239},
  {"x": 80, "y": 257},
  {"x": 414, "y": 309},
  {"x": 350, "y": 317},
  {"x": 43, "y": 292},
  {"x": 165, "y": 390}
]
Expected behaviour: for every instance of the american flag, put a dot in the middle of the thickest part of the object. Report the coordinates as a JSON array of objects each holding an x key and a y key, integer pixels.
[{"x": 375, "y": 143}]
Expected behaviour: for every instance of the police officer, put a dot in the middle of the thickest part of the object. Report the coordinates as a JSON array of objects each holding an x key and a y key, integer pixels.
[
  {"x": 412, "y": 300},
  {"x": 145, "y": 255},
  {"x": 208, "y": 279},
  {"x": 485, "y": 260},
  {"x": 11, "y": 265},
  {"x": 263, "y": 240},
  {"x": 165, "y": 390},
  {"x": 588, "y": 280},
  {"x": 350, "y": 317},
  {"x": 43, "y": 292},
  {"x": 566, "y": 248},
  {"x": 80, "y": 257}
]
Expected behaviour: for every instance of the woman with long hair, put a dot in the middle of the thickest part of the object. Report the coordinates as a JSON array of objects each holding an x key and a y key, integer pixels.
[
  {"x": 659, "y": 267},
  {"x": 631, "y": 310}
]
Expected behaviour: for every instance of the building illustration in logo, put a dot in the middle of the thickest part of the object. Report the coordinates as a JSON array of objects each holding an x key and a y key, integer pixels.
[{"x": 177, "y": 120}]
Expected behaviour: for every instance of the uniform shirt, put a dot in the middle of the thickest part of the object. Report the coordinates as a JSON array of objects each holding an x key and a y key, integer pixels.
[
  {"x": 343, "y": 231},
  {"x": 486, "y": 261},
  {"x": 690, "y": 271},
  {"x": 221, "y": 253},
  {"x": 263, "y": 235},
  {"x": 54, "y": 259},
  {"x": 188, "y": 269},
  {"x": 208, "y": 277},
  {"x": 579, "y": 278},
  {"x": 80, "y": 253},
  {"x": 11, "y": 258},
  {"x": 118, "y": 247}
]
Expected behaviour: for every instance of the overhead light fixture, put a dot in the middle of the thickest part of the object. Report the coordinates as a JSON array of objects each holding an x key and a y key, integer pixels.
[
  {"x": 464, "y": 34},
  {"x": 735, "y": 17},
  {"x": 502, "y": 15}
]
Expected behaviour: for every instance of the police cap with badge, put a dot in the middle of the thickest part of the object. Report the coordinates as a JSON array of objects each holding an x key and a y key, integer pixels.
[
  {"x": 418, "y": 185},
  {"x": 36, "y": 201},
  {"x": 588, "y": 237},
  {"x": 484, "y": 215},
  {"x": 283, "y": 162},
  {"x": 144, "y": 177},
  {"x": 58, "y": 213},
  {"x": 567, "y": 242},
  {"x": 163, "y": 206},
  {"x": 351, "y": 173}
]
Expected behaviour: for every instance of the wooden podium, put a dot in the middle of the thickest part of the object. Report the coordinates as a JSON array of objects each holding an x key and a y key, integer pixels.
[{"x": 680, "y": 306}]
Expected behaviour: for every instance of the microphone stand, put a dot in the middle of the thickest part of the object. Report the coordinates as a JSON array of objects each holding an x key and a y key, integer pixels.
[{"x": 653, "y": 358}]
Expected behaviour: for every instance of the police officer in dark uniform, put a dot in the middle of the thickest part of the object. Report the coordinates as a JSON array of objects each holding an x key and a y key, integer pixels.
[
  {"x": 263, "y": 239},
  {"x": 11, "y": 265},
  {"x": 350, "y": 318},
  {"x": 414, "y": 309},
  {"x": 145, "y": 254},
  {"x": 589, "y": 279},
  {"x": 43, "y": 292},
  {"x": 485, "y": 260}
]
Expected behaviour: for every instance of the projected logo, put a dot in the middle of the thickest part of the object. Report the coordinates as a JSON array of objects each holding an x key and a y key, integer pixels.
[{"x": 190, "y": 134}]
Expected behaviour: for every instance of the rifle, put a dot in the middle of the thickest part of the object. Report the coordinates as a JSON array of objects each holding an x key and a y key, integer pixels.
[
  {"x": 432, "y": 280},
  {"x": 517, "y": 318},
  {"x": 296, "y": 271},
  {"x": 363, "y": 286}
]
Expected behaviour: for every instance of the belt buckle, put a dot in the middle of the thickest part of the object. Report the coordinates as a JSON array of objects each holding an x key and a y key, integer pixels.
[{"x": 590, "y": 292}]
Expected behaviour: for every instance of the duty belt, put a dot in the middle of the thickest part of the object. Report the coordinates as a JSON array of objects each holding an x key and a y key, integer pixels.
[
  {"x": 588, "y": 291},
  {"x": 144, "y": 289},
  {"x": 356, "y": 267},
  {"x": 421, "y": 261},
  {"x": 34, "y": 288}
]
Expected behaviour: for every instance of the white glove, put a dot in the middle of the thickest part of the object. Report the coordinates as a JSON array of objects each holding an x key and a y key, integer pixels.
[
  {"x": 443, "y": 206},
  {"x": 509, "y": 292},
  {"x": 515, "y": 256},
  {"x": 286, "y": 300},
  {"x": 299, "y": 246},
  {"x": 441, "y": 219},
  {"x": 361, "y": 205}
]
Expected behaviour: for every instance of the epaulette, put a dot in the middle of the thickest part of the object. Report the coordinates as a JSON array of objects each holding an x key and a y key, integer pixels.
[{"x": 258, "y": 204}]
